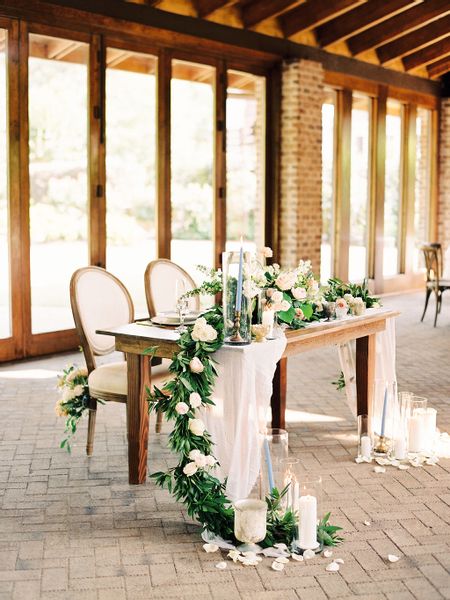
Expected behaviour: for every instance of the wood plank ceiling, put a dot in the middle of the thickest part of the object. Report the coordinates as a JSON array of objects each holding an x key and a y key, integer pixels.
[{"x": 406, "y": 35}]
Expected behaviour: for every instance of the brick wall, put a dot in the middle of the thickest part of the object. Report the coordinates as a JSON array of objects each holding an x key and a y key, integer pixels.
[
  {"x": 444, "y": 175},
  {"x": 301, "y": 163}
]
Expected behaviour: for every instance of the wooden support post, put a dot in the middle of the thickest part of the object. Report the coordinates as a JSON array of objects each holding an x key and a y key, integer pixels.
[
  {"x": 365, "y": 373},
  {"x": 278, "y": 401},
  {"x": 138, "y": 371}
]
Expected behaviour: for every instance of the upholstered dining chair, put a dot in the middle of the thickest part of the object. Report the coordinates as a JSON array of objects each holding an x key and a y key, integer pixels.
[
  {"x": 433, "y": 264},
  {"x": 160, "y": 283},
  {"x": 100, "y": 300}
]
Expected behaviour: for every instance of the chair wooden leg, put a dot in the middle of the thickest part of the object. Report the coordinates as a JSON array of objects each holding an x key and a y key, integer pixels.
[
  {"x": 159, "y": 418},
  {"x": 427, "y": 297},
  {"x": 91, "y": 428},
  {"x": 437, "y": 308}
]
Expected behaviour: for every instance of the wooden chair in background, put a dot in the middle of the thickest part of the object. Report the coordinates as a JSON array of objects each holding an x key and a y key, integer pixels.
[
  {"x": 100, "y": 300},
  {"x": 433, "y": 264}
]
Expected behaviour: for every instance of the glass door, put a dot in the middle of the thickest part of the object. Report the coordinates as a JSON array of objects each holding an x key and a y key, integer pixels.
[
  {"x": 130, "y": 168},
  {"x": 58, "y": 173}
]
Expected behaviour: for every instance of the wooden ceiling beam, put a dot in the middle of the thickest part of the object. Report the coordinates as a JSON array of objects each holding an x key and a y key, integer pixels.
[
  {"x": 427, "y": 55},
  {"x": 395, "y": 26},
  {"x": 414, "y": 41},
  {"x": 256, "y": 11},
  {"x": 360, "y": 18},
  {"x": 314, "y": 12},
  {"x": 440, "y": 67},
  {"x": 206, "y": 7}
]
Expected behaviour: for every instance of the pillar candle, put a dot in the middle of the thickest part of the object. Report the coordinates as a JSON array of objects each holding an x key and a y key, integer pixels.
[
  {"x": 400, "y": 448},
  {"x": 416, "y": 433},
  {"x": 308, "y": 522},
  {"x": 366, "y": 446},
  {"x": 429, "y": 422}
]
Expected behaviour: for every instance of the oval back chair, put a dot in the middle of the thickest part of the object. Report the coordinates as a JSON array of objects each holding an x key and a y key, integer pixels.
[
  {"x": 160, "y": 285},
  {"x": 433, "y": 263}
]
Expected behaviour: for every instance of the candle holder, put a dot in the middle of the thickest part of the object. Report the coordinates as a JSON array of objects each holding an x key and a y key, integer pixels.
[
  {"x": 290, "y": 468},
  {"x": 384, "y": 405},
  {"x": 364, "y": 438},
  {"x": 250, "y": 524},
  {"x": 417, "y": 429},
  {"x": 237, "y": 306},
  {"x": 399, "y": 446},
  {"x": 309, "y": 507},
  {"x": 274, "y": 449}
]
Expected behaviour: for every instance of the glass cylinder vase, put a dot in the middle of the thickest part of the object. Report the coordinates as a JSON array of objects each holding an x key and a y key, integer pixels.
[
  {"x": 308, "y": 514},
  {"x": 399, "y": 446},
  {"x": 364, "y": 438},
  {"x": 384, "y": 407},
  {"x": 274, "y": 450},
  {"x": 417, "y": 427},
  {"x": 236, "y": 297}
]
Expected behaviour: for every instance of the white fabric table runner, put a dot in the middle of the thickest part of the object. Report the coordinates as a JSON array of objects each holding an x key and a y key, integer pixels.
[{"x": 242, "y": 396}]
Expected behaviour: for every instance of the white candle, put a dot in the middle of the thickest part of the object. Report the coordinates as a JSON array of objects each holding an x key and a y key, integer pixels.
[
  {"x": 308, "y": 522},
  {"x": 400, "y": 448},
  {"x": 366, "y": 446},
  {"x": 416, "y": 433},
  {"x": 268, "y": 317},
  {"x": 429, "y": 424}
]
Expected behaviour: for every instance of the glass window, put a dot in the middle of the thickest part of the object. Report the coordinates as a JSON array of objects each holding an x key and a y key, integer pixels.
[
  {"x": 359, "y": 188},
  {"x": 130, "y": 168},
  {"x": 192, "y": 163},
  {"x": 393, "y": 194},
  {"x": 5, "y": 289},
  {"x": 58, "y": 95},
  {"x": 245, "y": 159},
  {"x": 326, "y": 250},
  {"x": 422, "y": 184}
]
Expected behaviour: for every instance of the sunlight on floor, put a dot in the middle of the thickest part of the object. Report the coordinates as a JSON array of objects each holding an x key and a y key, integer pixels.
[
  {"x": 299, "y": 416},
  {"x": 29, "y": 374}
]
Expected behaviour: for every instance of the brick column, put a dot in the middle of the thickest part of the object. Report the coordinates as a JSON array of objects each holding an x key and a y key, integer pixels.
[
  {"x": 301, "y": 163},
  {"x": 444, "y": 175}
]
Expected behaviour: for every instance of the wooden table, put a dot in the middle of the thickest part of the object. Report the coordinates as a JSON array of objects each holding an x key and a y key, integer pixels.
[{"x": 133, "y": 339}]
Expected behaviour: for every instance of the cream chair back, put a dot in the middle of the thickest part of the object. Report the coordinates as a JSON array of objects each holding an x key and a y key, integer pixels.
[
  {"x": 160, "y": 286},
  {"x": 99, "y": 301}
]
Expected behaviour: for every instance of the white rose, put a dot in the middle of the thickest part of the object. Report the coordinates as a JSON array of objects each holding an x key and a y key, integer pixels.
[
  {"x": 349, "y": 298},
  {"x": 285, "y": 305},
  {"x": 341, "y": 303},
  {"x": 267, "y": 252},
  {"x": 203, "y": 332},
  {"x": 78, "y": 390},
  {"x": 250, "y": 289},
  {"x": 195, "y": 400},
  {"x": 196, "y": 426},
  {"x": 313, "y": 285},
  {"x": 71, "y": 376},
  {"x": 299, "y": 293},
  {"x": 200, "y": 461},
  {"x": 210, "y": 460},
  {"x": 82, "y": 372},
  {"x": 196, "y": 365},
  {"x": 285, "y": 281},
  {"x": 276, "y": 267},
  {"x": 304, "y": 267},
  {"x": 277, "y": 297},
  {"x": 194, "y": 454},
  {"x": 182, "y": 408},
  {"x": 190, "y": 469},
  {"x": 68, "y": 394}
]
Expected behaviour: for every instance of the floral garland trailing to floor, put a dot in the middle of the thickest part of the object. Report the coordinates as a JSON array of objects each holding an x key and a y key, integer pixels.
[{"x": 191, "y": 481}]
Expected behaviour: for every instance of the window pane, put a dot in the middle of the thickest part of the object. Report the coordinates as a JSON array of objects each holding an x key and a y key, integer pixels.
[
  {"x": 392, "y": 199},
  {"x": 192, "y": 160},
  {"x": 245, "y": 159},
  {"x": 328, "y": 112},
  {"x": 58, "y": 175},
  {"x": 359, "y": 188},
  {"x": 5, "y": 289},
  {"x": 422, "y": 184},
  {"x": 130, "y": 168}
]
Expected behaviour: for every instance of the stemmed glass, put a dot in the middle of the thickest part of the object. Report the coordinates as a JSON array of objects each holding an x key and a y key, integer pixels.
[{"x": 181, "y": 303}]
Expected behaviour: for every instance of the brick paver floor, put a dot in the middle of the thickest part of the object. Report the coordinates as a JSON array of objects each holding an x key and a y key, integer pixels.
[{"x": 72, "y": 527}]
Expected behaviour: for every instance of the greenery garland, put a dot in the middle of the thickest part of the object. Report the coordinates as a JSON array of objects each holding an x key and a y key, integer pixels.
[{"x": 191, "y": 481}]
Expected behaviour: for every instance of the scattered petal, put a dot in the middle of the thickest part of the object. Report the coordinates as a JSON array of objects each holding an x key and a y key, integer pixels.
[
  {"x": 367, "y": 523},
  {"x": 276, "y": 566},
  {"x": 403, "y": 467},
  {"x": 379, "y": 469},
  {"x": 282, "y": 559},
  {"x": 382, "y": 461},
  {"x": 339, "y": 561},
  {"x": 210, "y": 547},
  {"x": 274, "y": 552},
  {"x": 432, "y": 461},
  {"x": 328, "y": 553},
  {"x": 221, "y": 565},
  {"x": 367, "y": 459},
  {"x": 307, "y": 554},
  {"x": 359, "y": 459},
  {"x": 415, "y": 463},
  {"x": 280, "y": 546},
  {"x": 297, "y": 557},
  {"x": 393, "y": 558},
  {"x": 234, "y": 555},
  {"x": 333, "y": 567},
  {"x": 395, "y": 463}
]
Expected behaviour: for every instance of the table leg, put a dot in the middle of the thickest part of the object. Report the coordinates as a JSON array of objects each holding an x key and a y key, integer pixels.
[
  {"x": 278, "y": 400},
  {"x": 138, "y": 370},
  {"x": 365, "y": 373}
]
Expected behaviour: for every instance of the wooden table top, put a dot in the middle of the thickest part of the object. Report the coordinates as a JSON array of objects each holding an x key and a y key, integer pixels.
[{"x": 136, "y": 337}]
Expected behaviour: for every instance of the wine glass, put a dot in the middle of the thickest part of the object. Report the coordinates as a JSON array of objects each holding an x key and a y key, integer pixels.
[
  {"x": 250, "y": 523},
  {"x": 181, "y": 303}
]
